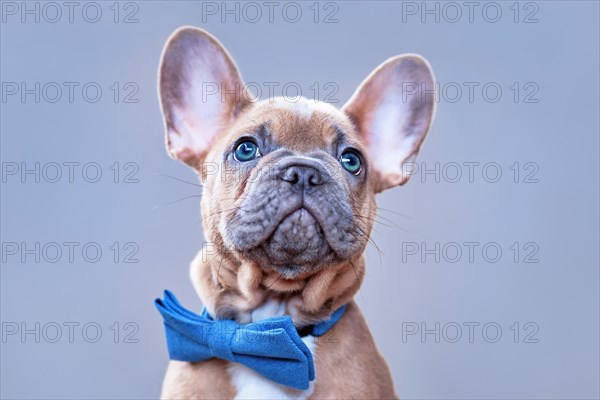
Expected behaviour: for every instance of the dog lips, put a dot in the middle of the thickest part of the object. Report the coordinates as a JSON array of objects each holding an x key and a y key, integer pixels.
[{"x": 298, "y": 239}]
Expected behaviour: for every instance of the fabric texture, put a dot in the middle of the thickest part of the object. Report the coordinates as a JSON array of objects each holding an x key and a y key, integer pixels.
[{"x": 271, "y": 347}]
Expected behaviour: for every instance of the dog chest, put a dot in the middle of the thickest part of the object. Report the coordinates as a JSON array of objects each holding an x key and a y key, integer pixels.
[{"x": 250, "y": 384}]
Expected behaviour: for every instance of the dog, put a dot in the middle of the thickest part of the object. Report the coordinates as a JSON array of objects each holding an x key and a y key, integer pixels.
[{"x": 288, "y": 206}]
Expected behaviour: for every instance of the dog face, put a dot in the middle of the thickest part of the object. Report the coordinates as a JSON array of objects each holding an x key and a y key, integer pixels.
[
  {"x": 290, "y": 186},
  {"x": 300, "y": 199}
]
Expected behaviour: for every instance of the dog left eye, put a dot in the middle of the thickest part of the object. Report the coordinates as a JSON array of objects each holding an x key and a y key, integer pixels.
[
  {"x": 351, "y": 162},
  {"x": 246, "y": 151}
]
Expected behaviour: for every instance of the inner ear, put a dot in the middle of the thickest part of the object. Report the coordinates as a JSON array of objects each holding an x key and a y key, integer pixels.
[
  {"x": 201, "y": 93},
  {"x": 392, "y": 110}
]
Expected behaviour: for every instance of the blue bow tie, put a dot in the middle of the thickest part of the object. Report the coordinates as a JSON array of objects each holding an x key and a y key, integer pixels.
[{"x": 271, "y": 347}]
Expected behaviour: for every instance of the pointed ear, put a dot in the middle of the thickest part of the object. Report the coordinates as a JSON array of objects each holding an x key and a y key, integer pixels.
[
  {"x": 201, "y": 92},
  {"x": 392, "y": 110}
]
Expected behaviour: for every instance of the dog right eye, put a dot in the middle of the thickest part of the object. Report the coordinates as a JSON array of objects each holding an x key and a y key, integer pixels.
[{"x": 246, "y": 151}]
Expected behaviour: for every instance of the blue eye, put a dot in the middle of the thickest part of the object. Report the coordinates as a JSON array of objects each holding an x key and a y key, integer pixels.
[
  {"x": 351, "y": 162},
  {"x": 246, "y": 151}
]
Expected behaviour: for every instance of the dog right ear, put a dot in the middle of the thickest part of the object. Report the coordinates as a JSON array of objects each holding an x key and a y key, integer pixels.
[{"x": 201, "y": 92}]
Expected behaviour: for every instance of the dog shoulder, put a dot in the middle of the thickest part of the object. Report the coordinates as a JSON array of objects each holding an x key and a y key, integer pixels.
[
  {"x": 349, "y": 362},
  {"x": 203, "y": 380}
]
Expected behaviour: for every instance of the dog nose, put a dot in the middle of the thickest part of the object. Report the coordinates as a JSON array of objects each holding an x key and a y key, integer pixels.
[{"x": 302, "y": 177}]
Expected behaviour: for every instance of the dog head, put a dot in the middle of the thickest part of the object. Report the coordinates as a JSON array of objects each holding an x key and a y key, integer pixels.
[{"x": 290, "y": 185}]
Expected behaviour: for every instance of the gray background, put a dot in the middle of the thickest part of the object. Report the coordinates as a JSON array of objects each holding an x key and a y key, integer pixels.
[{"x": 559, "y": 213}]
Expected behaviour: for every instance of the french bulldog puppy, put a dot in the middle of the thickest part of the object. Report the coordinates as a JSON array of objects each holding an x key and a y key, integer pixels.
[{"x": 288, "y": 206}]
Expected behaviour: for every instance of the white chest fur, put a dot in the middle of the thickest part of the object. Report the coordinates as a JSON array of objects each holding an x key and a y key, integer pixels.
[{"x": 250, "y": 384}]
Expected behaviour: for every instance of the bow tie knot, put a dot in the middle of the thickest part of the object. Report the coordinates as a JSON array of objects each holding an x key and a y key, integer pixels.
[
  {"x": 220, "y": 346},
  {"x": 271, "y": 347}
]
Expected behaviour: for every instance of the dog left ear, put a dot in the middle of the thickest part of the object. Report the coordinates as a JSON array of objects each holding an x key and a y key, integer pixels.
[{"x": 392, "y": 110}]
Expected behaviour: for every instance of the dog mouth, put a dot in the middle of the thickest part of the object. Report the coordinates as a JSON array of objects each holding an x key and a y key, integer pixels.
[{"x": 298, "y": 239}]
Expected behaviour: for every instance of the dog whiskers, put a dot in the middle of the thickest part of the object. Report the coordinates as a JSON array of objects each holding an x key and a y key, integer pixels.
[
  {"x": 178, "y": 179},
  {"x": 177, "y": 201},
  {"x": 394, "y": 212},
  {"x": 371, "y": 241}
]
